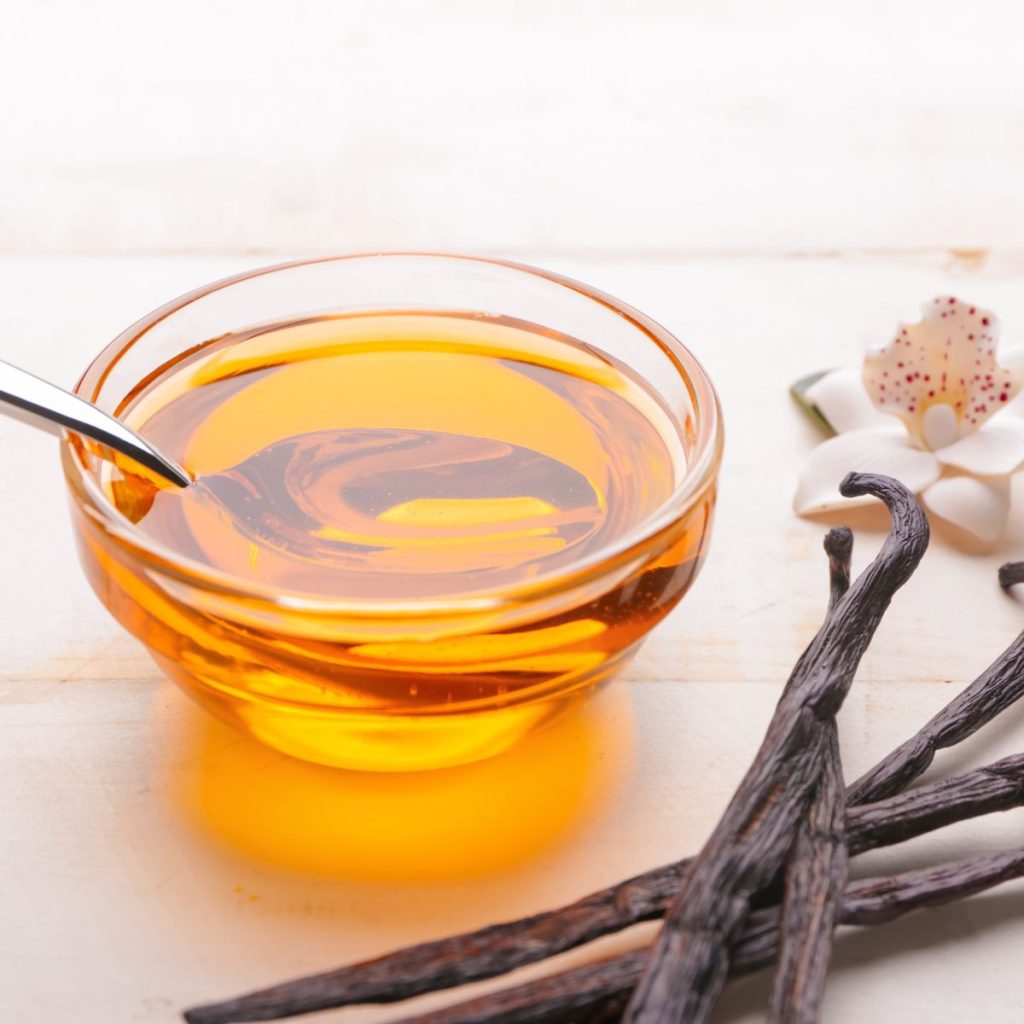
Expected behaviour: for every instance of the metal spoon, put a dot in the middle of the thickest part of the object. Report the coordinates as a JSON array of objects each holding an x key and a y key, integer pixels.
[{"x": 28, "y": 398}]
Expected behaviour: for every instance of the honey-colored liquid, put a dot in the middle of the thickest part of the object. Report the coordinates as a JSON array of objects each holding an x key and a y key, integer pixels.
[
  {"x": 382, "y": 457},
  {"x": 409, "y": 456}
]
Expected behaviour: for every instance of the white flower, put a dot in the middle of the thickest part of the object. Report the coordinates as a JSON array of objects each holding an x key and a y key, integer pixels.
[{"x": 934, "y": 409}]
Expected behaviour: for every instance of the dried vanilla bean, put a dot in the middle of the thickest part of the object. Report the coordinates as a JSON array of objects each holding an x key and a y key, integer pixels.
[
  {"x": 995, "y": 787},
  {"x": 999, "y": 686},
  {"x": 817, "y": 870},
  {"x": 815, "y": 879},
  {"x": 458, "y": 959},
  {"x": 1011, "y": 574},
  {"x": 839, "y": 548},
  {"x": 690, "y": 959}
]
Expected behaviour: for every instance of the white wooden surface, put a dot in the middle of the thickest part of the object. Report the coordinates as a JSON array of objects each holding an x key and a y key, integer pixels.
[
  {"x": 661, "y": 125},
  {"x": 677, "y": 154},
  {"x": 152, "y": 857}
]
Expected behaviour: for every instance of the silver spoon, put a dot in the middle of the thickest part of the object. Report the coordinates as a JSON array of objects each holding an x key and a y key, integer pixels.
[{"x": 28, "y": 398}]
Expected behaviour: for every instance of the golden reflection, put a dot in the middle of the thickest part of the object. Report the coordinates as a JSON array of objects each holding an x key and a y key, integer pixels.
[{"x": 448, "y": 824}]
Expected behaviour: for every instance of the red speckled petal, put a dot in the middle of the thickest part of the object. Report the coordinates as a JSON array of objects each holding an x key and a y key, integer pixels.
[{"x": 949, "y": 358}]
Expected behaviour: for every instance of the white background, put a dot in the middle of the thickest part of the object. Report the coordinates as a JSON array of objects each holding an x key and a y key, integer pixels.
[
  {"x": 633, "y": 128},
  {"x": 773, "y": 181}
]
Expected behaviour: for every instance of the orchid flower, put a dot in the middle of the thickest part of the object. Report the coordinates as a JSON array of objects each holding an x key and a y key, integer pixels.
[{"x": 932, "y": 408}]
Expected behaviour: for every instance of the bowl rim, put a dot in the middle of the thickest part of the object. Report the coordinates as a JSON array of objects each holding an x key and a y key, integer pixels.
[{"x": 620, "y": 554}]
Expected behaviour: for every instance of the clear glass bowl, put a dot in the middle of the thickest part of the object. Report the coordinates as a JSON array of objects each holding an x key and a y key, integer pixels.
[{"x": 274, "y": 663}]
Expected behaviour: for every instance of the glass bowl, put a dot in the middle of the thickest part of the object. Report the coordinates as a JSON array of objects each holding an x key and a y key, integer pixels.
[{"x": 283, "y": 666}]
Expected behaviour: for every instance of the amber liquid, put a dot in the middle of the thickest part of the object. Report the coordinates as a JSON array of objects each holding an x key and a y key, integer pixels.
[
  {"x": 384, "y": 457},
  {"x": 407, "y": 457}
]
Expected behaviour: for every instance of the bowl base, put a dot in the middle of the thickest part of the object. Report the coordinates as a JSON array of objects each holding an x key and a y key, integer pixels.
[{"x": 382, "y": 742}]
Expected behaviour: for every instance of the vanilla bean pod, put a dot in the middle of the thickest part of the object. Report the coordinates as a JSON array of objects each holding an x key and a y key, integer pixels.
[
  {"x": 600, "y": 990},
  {"x": 1011, "y": 574},
  {"x": 690, "y": 959},
  {"x": 815, "y": 878},
  {"x": 839, "y": 549},
  {"x": 998, "y": 687},
  {"x": 458, "y": 959},
  {"x": 817, "y": 871},
  {"x": 995, "y": 787}
]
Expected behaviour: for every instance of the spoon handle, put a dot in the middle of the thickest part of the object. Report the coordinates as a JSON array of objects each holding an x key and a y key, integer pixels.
[{"x": 28, "y": 398}]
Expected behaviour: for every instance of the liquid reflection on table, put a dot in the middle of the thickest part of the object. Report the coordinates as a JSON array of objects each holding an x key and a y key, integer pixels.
[{"x": 451, "y": 824}]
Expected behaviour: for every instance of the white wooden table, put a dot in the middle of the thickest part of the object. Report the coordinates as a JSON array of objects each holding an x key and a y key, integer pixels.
[
  {"x": 776, "y": 183},
  {"x": 152, "y": 857}
]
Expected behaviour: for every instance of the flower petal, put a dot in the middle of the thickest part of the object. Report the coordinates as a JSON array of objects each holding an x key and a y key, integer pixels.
[
  {"x": 980, "y": 507},
  {"x": 996, "y": 449},
  {"x": 949, "y": 358},
  {"x": 1014, "y": 358},
  {"x": 840, "y": 397},
  {"x": 867, "y": 451}
]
